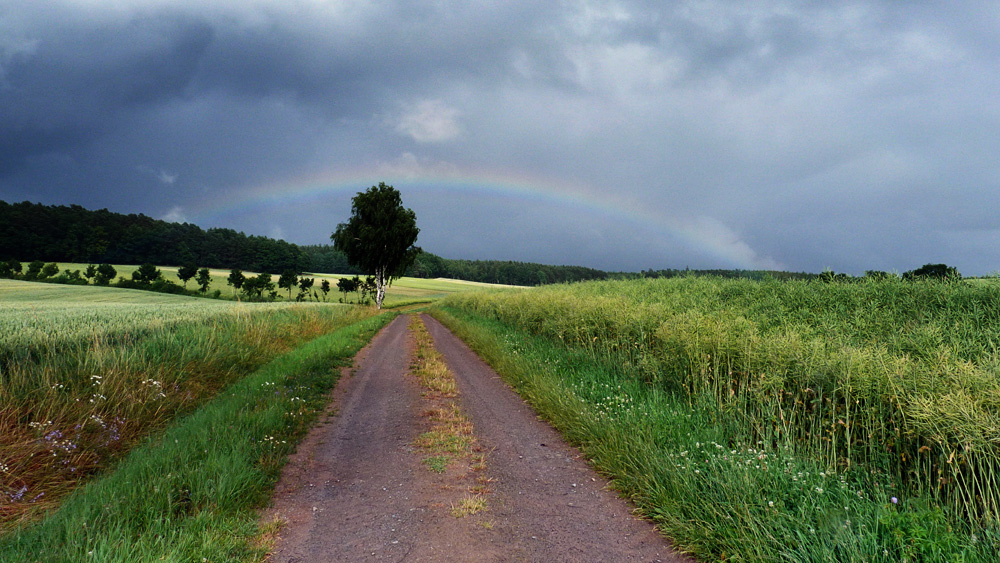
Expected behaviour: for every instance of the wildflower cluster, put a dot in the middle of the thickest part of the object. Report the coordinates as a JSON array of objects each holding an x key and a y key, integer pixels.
[
  {"x": 156, "y": 388},
  {"x": 610, "y": 401},
  {"x": 272, "y": 441},
  {"x": 16, "y": 496}
]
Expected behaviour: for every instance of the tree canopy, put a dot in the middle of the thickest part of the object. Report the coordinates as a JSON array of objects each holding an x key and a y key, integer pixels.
[
  {"x": 933, "y": 272},
  {"x": 380, "y": 236}
]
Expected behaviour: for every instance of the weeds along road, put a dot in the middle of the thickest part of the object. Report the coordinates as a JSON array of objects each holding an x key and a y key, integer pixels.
[{"x": 358, "y": 488}]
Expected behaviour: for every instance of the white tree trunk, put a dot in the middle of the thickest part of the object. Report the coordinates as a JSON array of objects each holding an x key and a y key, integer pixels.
[{"x": 379, "y": 287}]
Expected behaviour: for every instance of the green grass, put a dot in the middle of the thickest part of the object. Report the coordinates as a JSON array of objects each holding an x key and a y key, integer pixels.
[
  {"x": 438, "y": 463},
  {"x": 864, "y": 391},
  {"x": 86, "y": 373},
  {"x": 190, "y": 493}
]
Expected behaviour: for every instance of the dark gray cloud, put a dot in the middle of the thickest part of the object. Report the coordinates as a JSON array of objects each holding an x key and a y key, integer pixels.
[{"x": 801, "y": 135}]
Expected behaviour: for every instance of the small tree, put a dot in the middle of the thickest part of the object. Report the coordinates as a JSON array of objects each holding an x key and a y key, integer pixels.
[
  {"x": 347, "y": 285},
  {"x": 368, "y": 289},
  {"x": 5, "y": 270},
  {"x": 203, "y": 280},
  {"x": 288, "y": 280},
  {"x": 105, "y": 273},
  {"x": 236, "y": 279},
  {"x": 255, "y": 287},
  {"x": 305, "y": 284},
  {"x": 185, "y": 273},
  {"x": 324, "y": 286},
  {"x": 379, "y": 237},
  {"x": 146, "y": 274},
  {"x": 90, "y": 272},
  {"x": 34, "y": 270}
]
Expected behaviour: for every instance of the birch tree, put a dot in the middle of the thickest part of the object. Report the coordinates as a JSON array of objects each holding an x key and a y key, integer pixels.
[{"x": 379, "y": 237}]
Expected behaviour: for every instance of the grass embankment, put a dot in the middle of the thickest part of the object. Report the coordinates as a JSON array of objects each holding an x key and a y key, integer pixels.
[
  {"x": 771, "y": 421},
  {"x": 190, "y": 494},
  {"x": 86, "y": 373}
]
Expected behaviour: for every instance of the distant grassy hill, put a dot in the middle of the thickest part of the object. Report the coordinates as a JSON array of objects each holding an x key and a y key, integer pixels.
[{"x": 402, "y": 291}]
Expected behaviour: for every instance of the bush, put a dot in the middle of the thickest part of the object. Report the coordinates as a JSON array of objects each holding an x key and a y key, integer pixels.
[
  {"x": 70, "y": 278},
  {"x": 933, "y": 272}
]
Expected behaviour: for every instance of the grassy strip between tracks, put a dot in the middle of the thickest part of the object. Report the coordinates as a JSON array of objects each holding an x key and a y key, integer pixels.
[
  {"x": 717, "y": 499},
  {"x": 451, "y": 439},
  {"x": 190, "y": 494}
]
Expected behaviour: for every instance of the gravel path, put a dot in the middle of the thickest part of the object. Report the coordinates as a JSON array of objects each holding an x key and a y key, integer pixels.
[{"x": 356, "y": 489}]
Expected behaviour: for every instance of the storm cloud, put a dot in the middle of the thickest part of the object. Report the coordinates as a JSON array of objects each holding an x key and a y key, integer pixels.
[{"x": 709, "y": 134}]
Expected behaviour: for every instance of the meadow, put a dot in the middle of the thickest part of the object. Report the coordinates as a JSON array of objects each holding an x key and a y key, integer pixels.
[
  {"x": 764, "y": 421},
  {"x": 87, "y": 373}
]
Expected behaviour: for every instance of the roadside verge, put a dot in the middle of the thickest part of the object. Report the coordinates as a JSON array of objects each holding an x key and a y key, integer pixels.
[{"x": 190, "y": 494}]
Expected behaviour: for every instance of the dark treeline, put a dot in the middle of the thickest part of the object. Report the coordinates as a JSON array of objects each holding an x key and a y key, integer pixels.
[
  {"x": 325, "y": 260},
  {"x": 505, "y": 272},
  {"x": 32, "y": 231},
  {"x": 73, "y": 234}
]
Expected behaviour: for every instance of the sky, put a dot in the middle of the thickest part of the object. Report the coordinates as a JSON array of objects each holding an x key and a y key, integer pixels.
[{"x": 621, "y": 135}]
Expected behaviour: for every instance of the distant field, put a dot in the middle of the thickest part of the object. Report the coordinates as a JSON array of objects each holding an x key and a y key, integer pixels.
[{"x": 401, "y": 291}]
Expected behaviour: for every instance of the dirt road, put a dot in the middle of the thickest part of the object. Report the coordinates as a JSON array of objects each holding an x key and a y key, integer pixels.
[{"x": 356, "y": 489}]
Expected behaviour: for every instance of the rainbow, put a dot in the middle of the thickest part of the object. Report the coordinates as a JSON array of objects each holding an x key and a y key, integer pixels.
[{"x": 725, "y": 249}]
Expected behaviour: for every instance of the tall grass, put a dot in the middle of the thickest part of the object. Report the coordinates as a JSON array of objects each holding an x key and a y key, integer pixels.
[
  {"x": 190, "y": 493},
  {"x": 96, "y": 378},
  {"x": 892, "y": 378}
]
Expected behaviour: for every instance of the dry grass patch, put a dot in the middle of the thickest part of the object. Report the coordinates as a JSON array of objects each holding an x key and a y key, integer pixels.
[{"x": 469, "y": 505}]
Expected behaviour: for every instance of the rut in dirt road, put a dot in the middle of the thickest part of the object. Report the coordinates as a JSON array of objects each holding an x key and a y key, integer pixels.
[{"x": 356, "y": 489}]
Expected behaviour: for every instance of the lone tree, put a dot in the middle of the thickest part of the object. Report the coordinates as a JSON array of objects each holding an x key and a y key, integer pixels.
[{"x": 379, "y": 237}]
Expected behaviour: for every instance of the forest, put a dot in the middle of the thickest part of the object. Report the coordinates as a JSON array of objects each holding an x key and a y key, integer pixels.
[
  {"x": 73, "y": 234},
  {"x": 59, "y": 233}
]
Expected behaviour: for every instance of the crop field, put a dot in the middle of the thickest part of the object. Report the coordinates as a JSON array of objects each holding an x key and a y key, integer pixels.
[
  {"x": 37, "y": 316},
  {"x": 795, "y": 421},
  {"x": 87, "y": 372}
]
